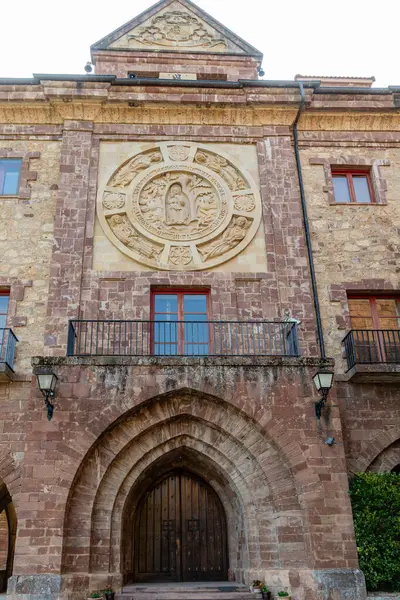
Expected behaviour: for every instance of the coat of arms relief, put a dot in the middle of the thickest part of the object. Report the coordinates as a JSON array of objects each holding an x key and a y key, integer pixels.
[
  {"x": 180, "y": 206},
  {"x": 177, "y": 29}
]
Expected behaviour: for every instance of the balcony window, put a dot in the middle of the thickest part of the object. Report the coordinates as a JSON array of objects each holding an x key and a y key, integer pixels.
[
  {"x": 180, "y": 323},
  {"x": 10, "y": 170},
  {"x": 375, "y": 335},
  {"x": 352, "y": 186}
]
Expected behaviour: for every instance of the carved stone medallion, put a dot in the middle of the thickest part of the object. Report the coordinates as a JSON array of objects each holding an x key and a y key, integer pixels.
[{"x": 180, "y": 206}]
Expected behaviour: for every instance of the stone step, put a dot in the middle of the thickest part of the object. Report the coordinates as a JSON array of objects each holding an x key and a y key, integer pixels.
[
  {"x": 191, "y": 592},
  {"x": 188, "y": 595}
]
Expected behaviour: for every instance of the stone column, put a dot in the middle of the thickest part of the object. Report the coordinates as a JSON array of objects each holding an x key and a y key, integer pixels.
[{"x": 69, "y": 234}]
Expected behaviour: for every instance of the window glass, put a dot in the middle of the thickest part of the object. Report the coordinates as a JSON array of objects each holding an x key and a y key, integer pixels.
[
  {"x": 360, "y": 313},
  {"x": 9, "y": 176},
  {"x": 388, "y": 313},
  {"x": 195, "y": 303},
  {"x": 361, "y": 189},
  {"x": 190, "y": 338},
  {"x": 3, "y": 310},
  {"x": 166, "y": 303},
  {"x": 341, "y": 188}
]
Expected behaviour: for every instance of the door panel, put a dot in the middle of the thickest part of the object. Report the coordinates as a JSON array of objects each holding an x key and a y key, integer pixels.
[{"x": 180, "y": 532}]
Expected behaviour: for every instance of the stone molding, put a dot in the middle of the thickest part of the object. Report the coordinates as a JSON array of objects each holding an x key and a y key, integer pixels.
[
  {"x": 379, "y": 183},
  {"x": 26, "y": 175},
  {"x": 17, "y": 289}
]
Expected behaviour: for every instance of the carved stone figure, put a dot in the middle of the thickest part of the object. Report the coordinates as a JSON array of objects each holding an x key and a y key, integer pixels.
[
  {"x": 235, "y": 233},
  {"x": 139, "y": 163},
  {"x": 220, "y": 165},
  {"x": 129, "y": 237},
  {"x": 177, "y": 29},
  {"x": 177, "y": 206}
]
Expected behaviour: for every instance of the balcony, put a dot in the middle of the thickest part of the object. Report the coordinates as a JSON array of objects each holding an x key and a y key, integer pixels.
[
  {"x": 373, "y": 355},
  {"x": 182, "y": 338},
  {"x": 8, "y": 342}
]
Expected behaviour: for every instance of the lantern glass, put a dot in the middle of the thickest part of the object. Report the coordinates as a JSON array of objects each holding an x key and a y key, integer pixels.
[
  {"x": 47, "y": 381},
  {"x": 323, "y": 380}
]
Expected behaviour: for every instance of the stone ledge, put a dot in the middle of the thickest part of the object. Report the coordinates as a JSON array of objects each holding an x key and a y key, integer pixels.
[
  {"x": 184, "y": 361},
  {"x": 378, "y": 373},
  {"x": 6, "y": 374}
]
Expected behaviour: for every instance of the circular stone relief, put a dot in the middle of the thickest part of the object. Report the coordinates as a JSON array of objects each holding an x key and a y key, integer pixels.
[{"x": 180, "y": 206}]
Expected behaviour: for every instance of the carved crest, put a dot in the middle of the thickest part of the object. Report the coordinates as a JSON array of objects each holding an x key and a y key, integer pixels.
[
  {"x": 182, "y": 207},
  {"x": 177, "y": 29}
]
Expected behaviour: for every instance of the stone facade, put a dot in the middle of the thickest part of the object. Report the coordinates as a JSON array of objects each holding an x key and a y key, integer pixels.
[{"x": 132, "y": 185}]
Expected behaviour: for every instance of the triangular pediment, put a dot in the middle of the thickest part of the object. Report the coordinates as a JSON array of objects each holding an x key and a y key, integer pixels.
[{"x": 176, "y": 26}]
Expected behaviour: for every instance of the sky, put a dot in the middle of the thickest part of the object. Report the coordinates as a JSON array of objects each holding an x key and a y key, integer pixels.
[{"x": 309, "y": 37}]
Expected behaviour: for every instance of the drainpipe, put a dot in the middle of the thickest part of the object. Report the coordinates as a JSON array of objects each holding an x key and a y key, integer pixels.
[{"x": 307, "y": 225}]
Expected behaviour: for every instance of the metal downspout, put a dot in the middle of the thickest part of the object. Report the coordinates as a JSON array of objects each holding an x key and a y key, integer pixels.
[{"x": 307, "y": 226}]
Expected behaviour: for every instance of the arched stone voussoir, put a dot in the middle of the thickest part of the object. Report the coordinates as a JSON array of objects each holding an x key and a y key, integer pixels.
[
  {"x": 375, "y": 447},
  {"x": 238, "y": 440}
]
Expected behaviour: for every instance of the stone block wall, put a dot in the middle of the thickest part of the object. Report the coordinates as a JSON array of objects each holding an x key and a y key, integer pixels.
[
  {"x": 26, "y": 240},
  {"x": 356, "y": 248}
]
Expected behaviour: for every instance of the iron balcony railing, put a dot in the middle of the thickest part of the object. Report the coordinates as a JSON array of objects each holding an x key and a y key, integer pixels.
[
  {"x": 371, "y": 346},
  {"x": 8, "y": 342},
  {"x": 182, "y": 338}
]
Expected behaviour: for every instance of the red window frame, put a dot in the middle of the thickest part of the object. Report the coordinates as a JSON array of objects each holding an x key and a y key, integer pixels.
[
  {"x": 374, "y": 310},
  {"x": 2, "y": 294},
  {"x": 3, "y": 171},
  {"x": 349, "y": 173},
  {"x": 180, "y": 292}
]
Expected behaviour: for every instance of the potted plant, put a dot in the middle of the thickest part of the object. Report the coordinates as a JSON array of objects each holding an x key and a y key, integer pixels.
[
  {"x": 96, "y": 595},
  {"x": 256, "y": 586},
  {"x": 284, "y": 595},
  {"x": 109, "y": 594},
  {"x": 266, "y": 594}
]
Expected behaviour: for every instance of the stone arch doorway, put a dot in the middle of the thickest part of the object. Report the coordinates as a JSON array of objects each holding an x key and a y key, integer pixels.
[
  {"x": 180, "y": 531},
  {"x": 8, "y": 531}
]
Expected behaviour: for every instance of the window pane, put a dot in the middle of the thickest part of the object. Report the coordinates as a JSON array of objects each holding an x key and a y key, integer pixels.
[
  {"x": 165, "y": 332},
  {"x": 196, "y": 349},
  {"x": 195, "y": 304},
  {"x": 341, "y": 188},
  {"x": 171, "y": 317},
  {"x": 9, "y": 176},
  {"x": 360, "y": 313},
  {"x": 196, "y": 332},
  {"x": 165, "y": 349},
  {"x": 3, "y": 304},
  {"x": 2, "y": 322},
  {"x": 388, "y": 313},
  {"x": 195, "y": 317},
  {"x": 166, "y": 303},
  {"x": 361, "y": 189}
]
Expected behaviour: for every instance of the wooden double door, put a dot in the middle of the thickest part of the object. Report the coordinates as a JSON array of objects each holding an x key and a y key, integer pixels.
[{"x": 180, "y": 532}]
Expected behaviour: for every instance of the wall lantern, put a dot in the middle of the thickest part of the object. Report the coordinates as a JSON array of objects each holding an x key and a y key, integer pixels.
[
  {"x": 323, "y": 381},
  {"x": 47, "y": 381}
]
